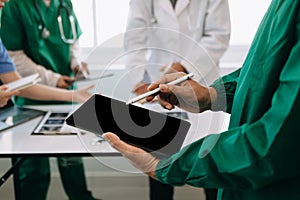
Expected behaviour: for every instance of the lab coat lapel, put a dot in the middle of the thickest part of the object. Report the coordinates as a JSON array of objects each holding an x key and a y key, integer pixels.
[
  {"x": 166, "y": 6},
  {"x": 180, "y": 6}
]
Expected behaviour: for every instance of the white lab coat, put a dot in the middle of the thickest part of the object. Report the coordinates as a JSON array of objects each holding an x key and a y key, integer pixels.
[{"x": 196, "y": 34}]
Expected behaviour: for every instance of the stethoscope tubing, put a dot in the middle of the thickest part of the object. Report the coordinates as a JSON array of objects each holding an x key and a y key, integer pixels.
[
  {"x": 153, "y": 17},
  {"x": 60, "y": 24},
  {"x": 46, "y": 32}
]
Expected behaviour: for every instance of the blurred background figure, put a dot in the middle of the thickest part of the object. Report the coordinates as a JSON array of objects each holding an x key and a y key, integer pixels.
[
  {"x": 164, "y": 36},
  {"x": 42, "y": 37}
]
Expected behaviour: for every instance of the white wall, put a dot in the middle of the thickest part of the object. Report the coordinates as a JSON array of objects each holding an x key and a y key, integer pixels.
[
  {"x": 245, "y": 18},
  {"x": 110, "y": 18},
  {"x": 102, "y": 20}
]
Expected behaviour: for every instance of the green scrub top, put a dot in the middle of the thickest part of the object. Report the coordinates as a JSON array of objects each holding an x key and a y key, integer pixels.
[
  {"x": 258, "y": 157},
  {"x": 21, "y": 30}
]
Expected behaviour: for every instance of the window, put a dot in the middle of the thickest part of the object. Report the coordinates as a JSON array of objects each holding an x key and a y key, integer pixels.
[
  {"x": 85, "y": 14},
  {"x": 102, "y": 19}
]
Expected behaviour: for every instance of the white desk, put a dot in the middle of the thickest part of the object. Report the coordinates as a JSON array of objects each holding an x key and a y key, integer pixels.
[
  {"x": 18, "y": 141},
  {"x": 202, "y": 124}
]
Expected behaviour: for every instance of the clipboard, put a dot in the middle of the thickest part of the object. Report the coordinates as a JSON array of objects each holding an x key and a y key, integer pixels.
[
  {"x": 23, "y": 82},
  {"x": 158, "y": 133}
]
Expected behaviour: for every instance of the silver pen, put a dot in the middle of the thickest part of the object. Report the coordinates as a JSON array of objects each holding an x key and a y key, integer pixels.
[
  {"x": 81, "y": 74},
  {"x": 175, "y": 82}
]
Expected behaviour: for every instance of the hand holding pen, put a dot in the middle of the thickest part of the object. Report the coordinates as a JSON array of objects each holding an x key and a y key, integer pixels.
[
  {"x": 81, "y": 71},
  {"x": 65, "y": 82},
  {"x": 155, "y": 89},
  {"x": 188, "y": 95}
]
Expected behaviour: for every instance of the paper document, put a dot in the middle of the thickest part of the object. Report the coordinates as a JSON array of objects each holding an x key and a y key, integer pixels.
[{"x": 23, "y": 82}]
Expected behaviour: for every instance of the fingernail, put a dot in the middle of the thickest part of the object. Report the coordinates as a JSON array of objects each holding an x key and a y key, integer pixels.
[{"x": 105, "y": 136}]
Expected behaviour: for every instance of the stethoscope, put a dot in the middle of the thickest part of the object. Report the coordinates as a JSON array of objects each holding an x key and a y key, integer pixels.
[
  {"x": 46, "y": 33},
  {"x": 153, "y": 17}
]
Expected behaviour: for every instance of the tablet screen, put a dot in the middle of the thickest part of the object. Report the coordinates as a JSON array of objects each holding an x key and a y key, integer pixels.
[
  {"x": 154, "y": 132},
  {"x": 12, "y": 115}
]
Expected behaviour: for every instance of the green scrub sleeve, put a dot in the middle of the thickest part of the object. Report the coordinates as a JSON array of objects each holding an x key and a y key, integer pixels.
[
  {"x": 225, "y": 87},
  {"x": 250, "y": 156}
]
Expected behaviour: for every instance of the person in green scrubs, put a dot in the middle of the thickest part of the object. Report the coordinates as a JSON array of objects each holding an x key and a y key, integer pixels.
[
  {"x": 37, "y": 45},
  {"x": 258, "y": 157},
  {"x": 34, "y": 49}
]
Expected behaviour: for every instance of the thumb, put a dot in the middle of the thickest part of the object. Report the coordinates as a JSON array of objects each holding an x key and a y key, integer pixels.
[
  {"x": 118, "y": 144},
  {"x": 3, "y": 87}
]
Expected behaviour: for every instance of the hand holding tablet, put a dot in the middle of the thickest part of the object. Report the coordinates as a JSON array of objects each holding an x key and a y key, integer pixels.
[{"x": 152, "y": 131}]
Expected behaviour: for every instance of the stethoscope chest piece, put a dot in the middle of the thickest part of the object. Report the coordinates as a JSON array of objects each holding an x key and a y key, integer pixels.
[
  {"x": 154, "y": 20},
  {"x": 45, "y": 33}
]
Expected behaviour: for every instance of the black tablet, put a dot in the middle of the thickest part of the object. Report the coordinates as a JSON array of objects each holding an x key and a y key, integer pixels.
[
  {"x": 12, "y": 115},
  {"x": 154, "y": 132}
]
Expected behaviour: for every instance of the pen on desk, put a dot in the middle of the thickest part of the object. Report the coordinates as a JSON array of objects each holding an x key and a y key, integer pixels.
[
  {"x": 55, "y": 133},
  {"x": 155, "y": 91},
  {"x": 89, "y": 78},
  {"x": 81, "y": 73}
]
